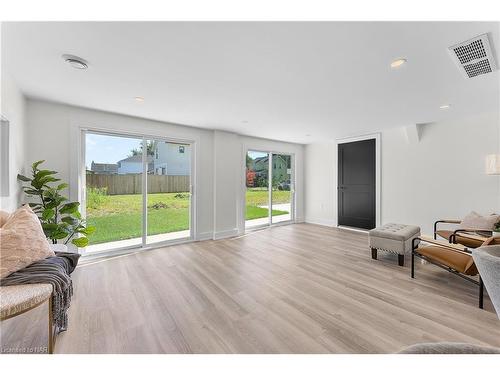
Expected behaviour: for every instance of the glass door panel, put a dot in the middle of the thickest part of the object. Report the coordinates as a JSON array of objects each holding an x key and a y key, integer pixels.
[
  {"x": 169, "y": 197},
  {"x": 113, "y": 191},
  {"x": 257, "y": 189},
  {"x": 281, "y": 194}
]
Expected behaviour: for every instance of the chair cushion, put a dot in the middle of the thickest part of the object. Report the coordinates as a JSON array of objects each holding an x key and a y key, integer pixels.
[
  {"x": 469, "y": 242},
  {"x": 22, "y": 241},
  {"x": 458, "y": 260},
  {"x": 15, "y": 299}
]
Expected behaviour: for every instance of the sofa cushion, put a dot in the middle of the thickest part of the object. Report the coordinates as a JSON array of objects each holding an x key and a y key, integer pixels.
[{"x": 22, "y": 241}]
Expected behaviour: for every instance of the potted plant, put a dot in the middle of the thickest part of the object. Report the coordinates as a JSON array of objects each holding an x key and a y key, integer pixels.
[
  {"x": 496, "y": 229},
  {"x": 60, "y": 218}
]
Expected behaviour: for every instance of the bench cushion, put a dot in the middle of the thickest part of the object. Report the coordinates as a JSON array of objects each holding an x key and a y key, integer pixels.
[
  {"x": 395, "y": 238},
  {"x": 16, "y": 299},
  {"x": 399, "y": 232}
]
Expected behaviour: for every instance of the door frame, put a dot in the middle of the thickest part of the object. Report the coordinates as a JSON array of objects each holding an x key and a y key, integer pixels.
[
  {"x": 378, "y": 175},
  {"x": 81, "y": 185},
  {"x": 244, "y": 188}
]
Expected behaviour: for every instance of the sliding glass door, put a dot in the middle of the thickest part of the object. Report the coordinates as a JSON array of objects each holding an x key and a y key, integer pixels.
[
  {"x": 114, "y": 203},
  {"x": 169, "y": 193},
  {"x": 137, "y": 190},
  {"x": 281, "y": 193},
  {"x": 269, "y": 189},
  {"x": 257, "y": 189}
]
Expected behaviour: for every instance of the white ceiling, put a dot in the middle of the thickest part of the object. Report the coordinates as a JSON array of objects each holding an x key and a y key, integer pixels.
[{"x": 286, "y": 79}]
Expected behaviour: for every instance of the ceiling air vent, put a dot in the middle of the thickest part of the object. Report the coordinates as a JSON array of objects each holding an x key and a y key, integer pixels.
[{"x": 474, "y": 56}]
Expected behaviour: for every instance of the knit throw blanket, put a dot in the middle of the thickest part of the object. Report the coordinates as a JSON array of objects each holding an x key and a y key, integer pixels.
[{"x": 55, "y": 271}]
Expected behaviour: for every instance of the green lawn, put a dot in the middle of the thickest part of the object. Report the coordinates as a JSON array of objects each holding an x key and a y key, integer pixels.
[{"x": 119, "y": 217}]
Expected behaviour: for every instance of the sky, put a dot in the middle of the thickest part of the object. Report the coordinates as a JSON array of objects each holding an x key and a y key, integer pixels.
[
  {"x": 256, "y": 154},
  {"x": 108, "y": 149}
]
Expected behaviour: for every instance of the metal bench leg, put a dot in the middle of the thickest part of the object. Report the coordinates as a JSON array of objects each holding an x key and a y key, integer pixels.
[{"x": 374, "y": 253}]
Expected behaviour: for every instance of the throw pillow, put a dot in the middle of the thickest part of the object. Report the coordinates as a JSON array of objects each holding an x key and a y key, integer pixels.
[
  {"x": 4, "y": 215},
  {"x": 22, "y": 241},
  {"x": 478, "y": 222}
]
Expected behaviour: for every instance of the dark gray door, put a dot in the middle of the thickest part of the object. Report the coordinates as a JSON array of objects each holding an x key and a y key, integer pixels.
[{"x": 356, "y": 184}]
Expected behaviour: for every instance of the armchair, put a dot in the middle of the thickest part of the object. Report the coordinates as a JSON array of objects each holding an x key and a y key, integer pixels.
[
  {"x": 454, "y": 258},
  {"x": 461, "y": 236}
]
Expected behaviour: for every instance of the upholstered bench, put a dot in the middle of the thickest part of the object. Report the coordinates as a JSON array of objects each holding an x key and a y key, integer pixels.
[
  {"x": 395, "y": 238},
  {"x": 18, "y": 299}
]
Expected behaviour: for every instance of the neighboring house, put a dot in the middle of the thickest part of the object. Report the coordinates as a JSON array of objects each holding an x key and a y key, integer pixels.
[
  {"x": 133, "y": 164},
  {"x": 280, "y": 167},
  {"x": 103, "y": 168},
  {"x": 173, "y": 159}
]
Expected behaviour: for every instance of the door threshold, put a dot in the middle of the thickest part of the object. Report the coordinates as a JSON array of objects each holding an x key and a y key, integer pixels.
[
  {"x": 112, "y": 253},
  {"x": 353, "y": 229}
]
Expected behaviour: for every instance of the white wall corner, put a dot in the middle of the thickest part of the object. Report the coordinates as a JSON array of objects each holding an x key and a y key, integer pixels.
[{"x": 413, "y": 133}]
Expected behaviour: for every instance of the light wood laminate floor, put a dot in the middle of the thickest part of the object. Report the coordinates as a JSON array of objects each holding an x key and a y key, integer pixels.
[{"x": 291, "y": 289}]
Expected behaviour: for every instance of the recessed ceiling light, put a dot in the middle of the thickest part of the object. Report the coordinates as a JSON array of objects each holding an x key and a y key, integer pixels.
[
  {"x": 445, "y": 106},
  {"x": 397, "y": 63},
  {"x": 139, "y": 99},
  {"x": 76, "y": 62}
]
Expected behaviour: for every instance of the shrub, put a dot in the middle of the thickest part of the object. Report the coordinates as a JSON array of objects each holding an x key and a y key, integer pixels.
[
  {"x": 158, "y": 205},
  {"x": 181, "y": 196}
]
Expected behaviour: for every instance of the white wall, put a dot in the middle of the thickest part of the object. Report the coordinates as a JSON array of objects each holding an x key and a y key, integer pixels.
[
  {"x": 441, "y": 176},
  {"x": 227, "y": 169},
  {"x": 320, "y": 190},
  {"x": 13, "y": 109},
  {"x": 53, "y": 136}
]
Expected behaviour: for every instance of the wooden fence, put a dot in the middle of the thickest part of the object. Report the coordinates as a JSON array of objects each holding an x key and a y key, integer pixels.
[{"x": 132, "y": 183}]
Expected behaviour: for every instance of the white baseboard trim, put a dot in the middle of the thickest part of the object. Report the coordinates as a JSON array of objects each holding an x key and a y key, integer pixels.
[
  {"x": 317, "y": 221},
  {"x": 225, "y": 234},
  {"x": 300, "y": 220},
  {"x": 204, "y": 236}
]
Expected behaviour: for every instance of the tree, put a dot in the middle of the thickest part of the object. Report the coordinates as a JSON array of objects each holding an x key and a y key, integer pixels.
[
  {"x": 150, "y": 147},
  {"x": 249, "y": 162}
]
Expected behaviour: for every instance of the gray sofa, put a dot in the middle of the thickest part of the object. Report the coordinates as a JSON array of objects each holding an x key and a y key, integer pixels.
[
  {"x": 449, "y": 348},
  {"x": 487, "y": 260}
]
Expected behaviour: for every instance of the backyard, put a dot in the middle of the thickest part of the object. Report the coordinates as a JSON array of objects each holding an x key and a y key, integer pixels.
[{"x": 119, "y": 217}]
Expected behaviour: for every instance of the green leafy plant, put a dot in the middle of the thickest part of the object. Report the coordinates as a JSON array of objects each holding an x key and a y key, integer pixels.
[
  {"x": 496, "y": 227},
  {"x": 60, "y": 218}
]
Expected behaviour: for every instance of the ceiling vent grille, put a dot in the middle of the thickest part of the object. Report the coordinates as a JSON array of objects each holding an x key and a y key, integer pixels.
[{"x": 474, "y": 56}]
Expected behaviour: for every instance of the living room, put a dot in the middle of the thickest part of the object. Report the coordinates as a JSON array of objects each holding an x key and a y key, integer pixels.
[{"x": 250, "y": 187}]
